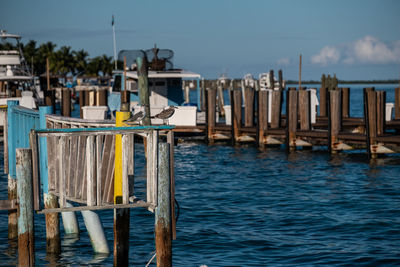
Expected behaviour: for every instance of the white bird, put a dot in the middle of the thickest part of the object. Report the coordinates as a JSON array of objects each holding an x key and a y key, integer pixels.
[
  {"x": 165, "y": 114},
  {"x": 136, "y": 118}
]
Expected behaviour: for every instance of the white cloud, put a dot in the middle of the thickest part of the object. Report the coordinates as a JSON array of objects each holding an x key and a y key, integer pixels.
[
  {"x": 283, "y": 61},
  {"x": 327, "y": 55},
  {"x": 371, "y": 50},
  {"x": 367, "y": 50}
]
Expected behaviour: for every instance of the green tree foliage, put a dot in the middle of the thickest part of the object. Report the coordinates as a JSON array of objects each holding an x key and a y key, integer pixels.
[{"x": 63, "y": 61}]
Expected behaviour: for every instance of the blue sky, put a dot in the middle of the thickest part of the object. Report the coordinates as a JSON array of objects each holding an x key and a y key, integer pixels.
[{"x": 355, "y": 39}]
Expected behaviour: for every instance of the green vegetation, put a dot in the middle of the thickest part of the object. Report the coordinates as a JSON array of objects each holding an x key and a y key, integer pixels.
[{"x": 63, "y": 61}]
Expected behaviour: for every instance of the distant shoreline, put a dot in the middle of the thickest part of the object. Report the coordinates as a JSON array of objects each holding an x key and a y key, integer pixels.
[{"x": 348, "y": 82}]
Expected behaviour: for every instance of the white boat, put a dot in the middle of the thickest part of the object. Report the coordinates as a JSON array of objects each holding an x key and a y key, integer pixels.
[
  {"x": 265, "y": 82},
  {"x": 16, "y": 81}
]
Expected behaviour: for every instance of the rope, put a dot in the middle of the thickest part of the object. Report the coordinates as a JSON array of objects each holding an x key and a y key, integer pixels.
[{"x": 152, "y": 258}]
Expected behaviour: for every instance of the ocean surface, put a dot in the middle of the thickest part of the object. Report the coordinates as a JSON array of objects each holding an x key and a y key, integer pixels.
[{"x": 239, "y": 206}]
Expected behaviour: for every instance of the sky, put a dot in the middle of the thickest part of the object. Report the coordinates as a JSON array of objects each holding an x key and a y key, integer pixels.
[{"x": 354, "y": 39}]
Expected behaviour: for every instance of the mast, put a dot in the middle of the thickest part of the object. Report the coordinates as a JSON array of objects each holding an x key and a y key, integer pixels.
[{"x": 115, "y": 43}]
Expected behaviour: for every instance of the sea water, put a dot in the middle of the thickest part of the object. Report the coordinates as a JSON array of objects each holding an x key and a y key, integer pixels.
[{"x": 239, "y": 206}]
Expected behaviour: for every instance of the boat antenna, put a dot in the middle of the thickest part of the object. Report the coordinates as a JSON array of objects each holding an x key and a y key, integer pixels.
[{"x": 115, "y": 43}]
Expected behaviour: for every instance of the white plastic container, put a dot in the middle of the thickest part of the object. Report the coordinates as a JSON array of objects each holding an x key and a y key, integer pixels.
[
  {"x": 94, "y": 112},
  {"x": 389, "y": 111},
  {"x": 184, "y": 116},
  {"x": 228, "y": 115}
]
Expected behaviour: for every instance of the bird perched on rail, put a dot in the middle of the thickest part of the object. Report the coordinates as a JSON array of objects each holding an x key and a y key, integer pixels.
[
  {"x": 136, "y": 118},
  {"x": 165, "y": 114}
]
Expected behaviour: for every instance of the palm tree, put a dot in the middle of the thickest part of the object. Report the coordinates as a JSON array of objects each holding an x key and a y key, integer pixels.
[
  {"x": 80, "y": 58},
  {"x": 30, "y": 54},
  {"x": 94, "y": 66},
  {"x": 44, "y": 51},
  {"x": 63, "y": 61},
  {"x": 106, "y": 65}
]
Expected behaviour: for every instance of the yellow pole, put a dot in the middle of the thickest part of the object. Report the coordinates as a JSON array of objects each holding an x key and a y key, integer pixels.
[{"x": 120, "y": 117}]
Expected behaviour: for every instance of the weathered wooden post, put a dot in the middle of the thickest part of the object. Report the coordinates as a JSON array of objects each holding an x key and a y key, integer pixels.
[
  {"x": 380, "y": 112},
  {"x": 262, "y": 117},
  {"x": 305, "y": 110},
  {"x": 291, "y": 117},
  {"x": 271, "y": 79},
  {"x": 280, "y": 80},
  {"x": 211, "y": 113},
  {"x": 66, "y": 102},
  {"x": 370, "y": 119},
  {"x": 276, "y": 108},
  {"x": 26, "y": 235},
  {"x": 101, "y": 97},
  {"x": 12, "y": 182},
  {"x": 163, "y": 227},
  {"x": 236, "y": 109},
  {"x": 121, "y": 216},
  {"x": 345, "y": 102},
  {"x": 221, "y": 101},
  {"x": 81, "y": 102},
  {"x": 203, "y": 95},
  {"x": 335, "y": 118},
  {"x": 143, "y": 83},
  {"x": 249, "y": 107},
  {"x": 397, "y": 103}
]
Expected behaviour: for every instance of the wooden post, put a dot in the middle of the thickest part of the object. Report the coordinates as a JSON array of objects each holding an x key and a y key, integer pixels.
[
  {"x": 322, "y": 101},
  {"x": 305, "y": 110},
  {"x": 236, "y": 109},
  {"x": 276, "y": 108},
  {"x": 335, "y": 117},
  {"x": 300, "y": 73},
  {"x": 144, "y": 92},
  {"x": 203, "y": 95},
  {"x": 280, "y": 80},
  {"x": 101, "y": 97},
  {"x": 12, "y": 182},
  {"x": 249, "y": 107},
  {"x": 66, "y": 102},
  {"x": 211, "y": 113},
  {"x": 397, "y": 103},
  {"x": 380, "y": 112},
  {"x": 262, "y": 116},
  {"x": 345, "y": 102},
  {"x": 163, "y": 227},
  {"x": 121, "y": 216},
  {"x": 26, "y": 235},
  {"x": 291, "y": 118},
  {"x": 221, "y": 101},
  {"x": 271, "y": 79},
  {"x": 81, "y": 102},
  {"x": 370, "y": 119}
]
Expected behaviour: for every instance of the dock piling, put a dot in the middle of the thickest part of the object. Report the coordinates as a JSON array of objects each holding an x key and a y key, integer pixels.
[
  {"x": 163, "y": 226},
  {"x": 26, "y": 235}
]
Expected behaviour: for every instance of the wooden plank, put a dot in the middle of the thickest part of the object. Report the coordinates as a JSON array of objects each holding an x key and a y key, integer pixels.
[
  {"x": 90, "y": 179},
  {"x": 35, "y": 169},
  {"x": 170, "y": 140},
  {"x": 262, "y": 116},
  {"x": 335, "y": 115},
  {"x": 99, "y": 143},
  {"x": 397, "y": 103},
  {"x": 74, "y": 144},
  {"x": 322, "y": 101},
  {"x": 140, "y": 204},
  {"x": 276, "y": 108},
  {"x": 380, "y": 112},
  {"x": 305, "y": 110},
  {"x": 105, "y": 163},
  {"x": 7, "y": 204},
  {"x": 62, "y": 171},
  {"x": 237, "y": 113},
  {"x": 125, "y": 181},
  {"x": 211, "y": 112},
  {"x": 249, "y": 107},
  {"x": 154, "y": 176},
  {"x": 292, "y": 118},
  {"x": 345, "y": 102},
  {"x": 110, "y": 174},
  {"x": 80, "y": 170}
]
